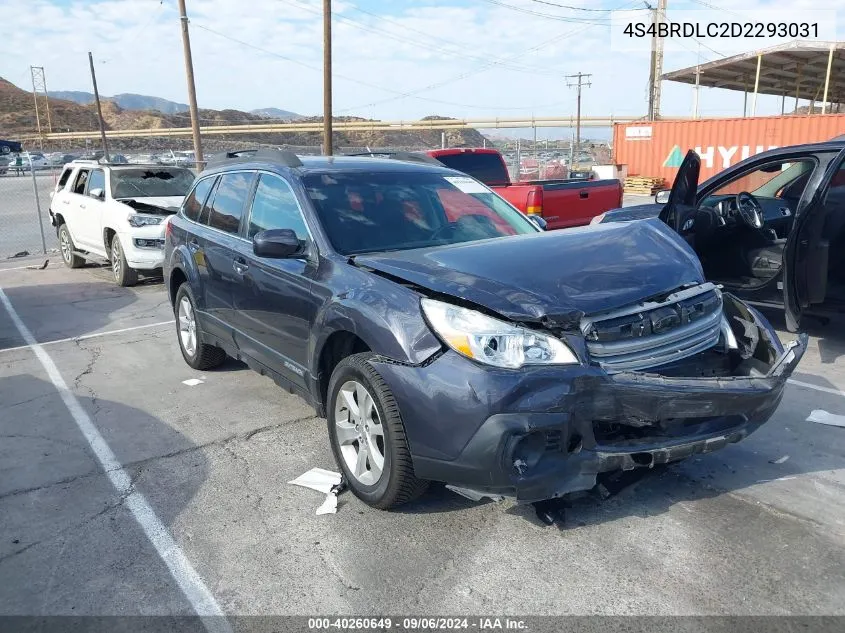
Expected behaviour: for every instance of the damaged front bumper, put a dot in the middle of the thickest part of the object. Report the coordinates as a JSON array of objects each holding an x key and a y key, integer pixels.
[{"x": 542, "y": 432}]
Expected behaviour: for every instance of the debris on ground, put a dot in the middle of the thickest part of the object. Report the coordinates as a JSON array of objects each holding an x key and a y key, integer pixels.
[
  {"x": 192, "y": 382},
  {"x": 779, "y": 460},
  {"x": 41, "y": 267},
  {"x": 20, "y": 254},
  {"x": 328, "y": 482},
  {"x": 474, "y": 495},
  {"x": 551, "y": 511},
  {"x": 823, "y": 417},
  {"x": 318, "y": 479}
]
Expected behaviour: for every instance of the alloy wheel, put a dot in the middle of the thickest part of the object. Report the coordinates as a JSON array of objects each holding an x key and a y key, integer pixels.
[
  {"x": 116, "y": 259},
  {"x": 359, "y": 432},
  {"x": 187, "y": 326},
  {"x": 67, "y": 251}
]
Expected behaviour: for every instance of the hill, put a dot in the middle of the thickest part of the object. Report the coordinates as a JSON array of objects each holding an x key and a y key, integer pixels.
[
  {"x": 127, "y": 101},
  {"x": 17, "y": 118},
  {"x": 276, "y": 113}
]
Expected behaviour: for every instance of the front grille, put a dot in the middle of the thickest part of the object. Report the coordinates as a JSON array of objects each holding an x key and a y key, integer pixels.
[{"x": 655, "y": 333}]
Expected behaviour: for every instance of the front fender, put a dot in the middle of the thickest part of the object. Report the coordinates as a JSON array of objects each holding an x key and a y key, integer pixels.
[{"x": 388, "y": 320}]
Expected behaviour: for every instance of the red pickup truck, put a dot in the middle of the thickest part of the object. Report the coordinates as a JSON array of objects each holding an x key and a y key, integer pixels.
[{"x": 561, "y": 203}]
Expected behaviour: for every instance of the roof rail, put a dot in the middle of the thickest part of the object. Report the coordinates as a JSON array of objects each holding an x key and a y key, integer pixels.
[
  {"x": 86, "y": 161},
  {"x": 289, "y": 159},
  {"x": 410, "y": 157}
]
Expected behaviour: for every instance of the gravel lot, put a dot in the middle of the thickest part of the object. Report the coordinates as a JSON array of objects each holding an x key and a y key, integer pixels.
[{"x": 728, "y": 533}]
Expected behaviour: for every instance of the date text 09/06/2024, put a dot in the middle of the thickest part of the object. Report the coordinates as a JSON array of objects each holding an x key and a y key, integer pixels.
[
  {"x": 416, "y": 624},
  {"x": 722, "y": 29}
]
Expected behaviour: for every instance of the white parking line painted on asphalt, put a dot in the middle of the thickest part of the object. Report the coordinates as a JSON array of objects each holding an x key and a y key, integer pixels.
[
  {"x": 87, "y": 336},
  {"x": 809, "y": 385},
  {"x": 195, "y": 590}
]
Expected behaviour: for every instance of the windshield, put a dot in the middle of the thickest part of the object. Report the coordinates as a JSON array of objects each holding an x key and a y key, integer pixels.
[
  {"x": 368, "y": 212},
  {"x": 152, "y": 183}
]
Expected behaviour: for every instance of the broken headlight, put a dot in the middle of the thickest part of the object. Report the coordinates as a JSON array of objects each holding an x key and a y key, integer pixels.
[
  {"x": 138, "y": 220},
  {"x": 494, "y": 342}
]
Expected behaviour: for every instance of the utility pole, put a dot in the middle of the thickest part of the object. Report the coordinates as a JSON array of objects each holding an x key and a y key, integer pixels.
[
  {"x": 192, "y": 90},
  {"x": 99, "y": 108},
  {"x": 39, "y": 91},
  {"x": 658, "y": 17},
  {"x": 578, "y": 84},
  {"x": 328, "y": 148}
]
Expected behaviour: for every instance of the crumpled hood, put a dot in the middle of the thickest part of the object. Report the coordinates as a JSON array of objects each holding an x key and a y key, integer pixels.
[
  {"x": 555, "y": 277},
  {"x": 170, "y": 203}
]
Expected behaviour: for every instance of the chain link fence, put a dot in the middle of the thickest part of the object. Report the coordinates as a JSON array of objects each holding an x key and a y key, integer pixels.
[{"x": 24, "y": 202}]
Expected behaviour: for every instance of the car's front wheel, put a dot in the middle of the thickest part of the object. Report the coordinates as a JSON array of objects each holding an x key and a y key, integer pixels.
[
  {"x": 196, "y": 353},
  {"x": 368, "y": 436},
  {"x": 123, "y": 274}
]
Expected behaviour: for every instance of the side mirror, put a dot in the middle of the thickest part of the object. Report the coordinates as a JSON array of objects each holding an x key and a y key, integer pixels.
[
  {"x": 98, "y": 193},
  {"x": 277, "y": 244},
  {"x": 538, "y": 221},
  {"x": 662, "y": 197}
]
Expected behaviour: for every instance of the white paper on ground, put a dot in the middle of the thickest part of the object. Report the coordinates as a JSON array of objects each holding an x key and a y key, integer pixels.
[
  {"x": 779, "y": 460},
  {"x": 317, "y": 479},
  {"x": 823, "y": 417},
  {"x": 329, "y": 505},
  {"x": 192, "y": 382}
]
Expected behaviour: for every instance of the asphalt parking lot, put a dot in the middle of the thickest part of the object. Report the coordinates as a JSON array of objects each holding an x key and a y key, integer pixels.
[
  {"x": 19, "y": 213},
  {"x": 739, "y": 531}
]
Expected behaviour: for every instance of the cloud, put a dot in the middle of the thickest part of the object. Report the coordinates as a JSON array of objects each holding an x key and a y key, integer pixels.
[{"x": 468, "y": 58}]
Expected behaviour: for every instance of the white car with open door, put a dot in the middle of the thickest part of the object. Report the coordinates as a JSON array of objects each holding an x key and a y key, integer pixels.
[
  {"x": 118, "y": 213},
  {"x": 770, "y": 229}
]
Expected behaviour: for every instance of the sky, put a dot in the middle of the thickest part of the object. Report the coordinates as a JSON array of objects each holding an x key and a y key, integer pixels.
[{"x": 393, "y": 59}]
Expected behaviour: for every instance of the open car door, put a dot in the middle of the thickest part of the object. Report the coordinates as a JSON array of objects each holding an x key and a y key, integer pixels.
[
  {"x": 807, "y": 250},
  {"x": 681, "y": 203}
]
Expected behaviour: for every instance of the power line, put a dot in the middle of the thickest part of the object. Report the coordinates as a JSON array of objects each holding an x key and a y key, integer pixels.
[
  {"x": 460, "y": 48},
  {"x": 399, "y": 94},
  {"x": 548, "y": 16},
  {"x": 486, "y": 66},
  {"x": 571, "y": 8}
]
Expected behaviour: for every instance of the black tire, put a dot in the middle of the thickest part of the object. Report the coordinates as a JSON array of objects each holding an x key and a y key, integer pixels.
[
  {"x": 397, "y": 483},
  {"x": 70, "y": 259},
  {"x": 204, "y": 356},
  {"x": 122, "y": 273}
]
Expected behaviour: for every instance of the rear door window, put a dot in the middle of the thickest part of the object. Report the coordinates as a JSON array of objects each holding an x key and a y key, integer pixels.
[
  {"x": 196, "y": 199},
  {"x": 230, "y": 197},
  {"x": 64, "y": 178}
]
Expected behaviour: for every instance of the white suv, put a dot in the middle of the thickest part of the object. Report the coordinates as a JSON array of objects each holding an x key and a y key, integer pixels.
[{"x": 116, "y": 212}]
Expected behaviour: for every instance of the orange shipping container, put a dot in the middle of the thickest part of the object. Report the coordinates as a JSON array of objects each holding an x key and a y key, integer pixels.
[{"x": 656, "y": 148}]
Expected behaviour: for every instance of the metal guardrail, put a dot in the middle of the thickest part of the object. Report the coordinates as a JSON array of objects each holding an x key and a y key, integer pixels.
[{"x": 340, "y": 126}]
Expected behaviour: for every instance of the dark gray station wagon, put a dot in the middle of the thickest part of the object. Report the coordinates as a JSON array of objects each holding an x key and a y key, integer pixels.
[{"x": 445, "y": 337}]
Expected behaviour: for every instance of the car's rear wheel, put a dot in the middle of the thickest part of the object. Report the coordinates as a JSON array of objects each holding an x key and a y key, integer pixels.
[
  {"x": 368, "y": 436},
  {"x": 67, "y": 247},
  {"x": 197, "y": 354},
  {"x": 123, "y": 274}
]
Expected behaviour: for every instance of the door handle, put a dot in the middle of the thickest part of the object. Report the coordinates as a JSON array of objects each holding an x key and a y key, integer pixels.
[
  {"x": 193, "y": 245},
  {"x": 240, "y": 266},
  {"x": 584, "y": 194}
]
